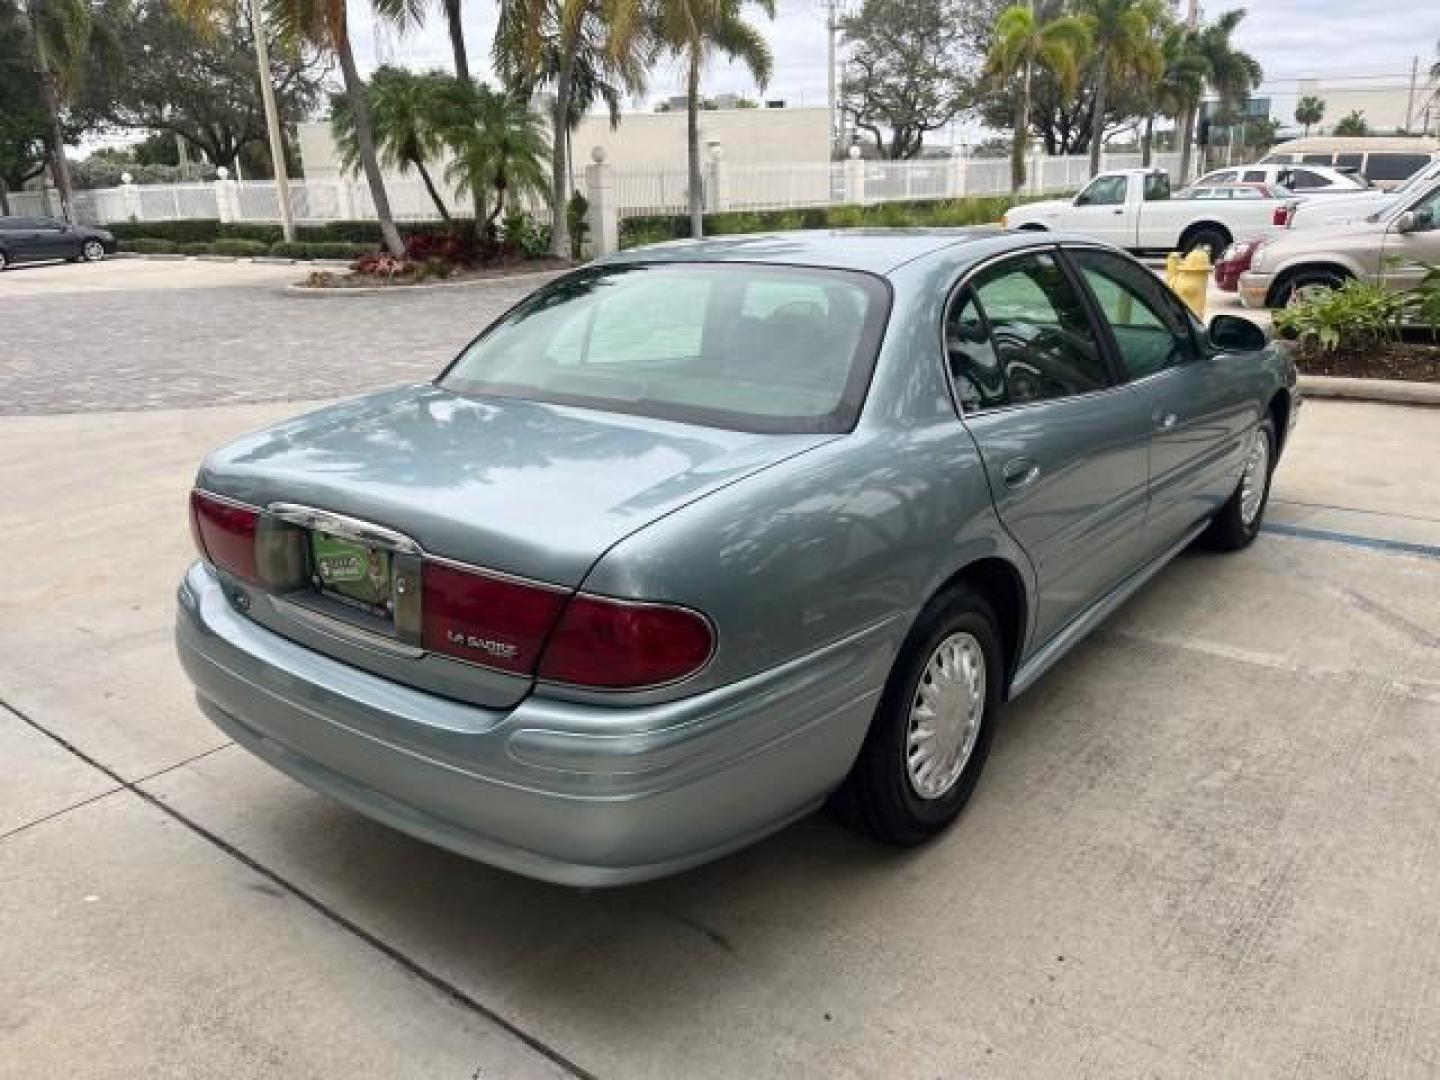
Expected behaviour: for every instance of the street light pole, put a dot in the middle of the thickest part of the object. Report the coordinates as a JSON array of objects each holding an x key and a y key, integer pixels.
[{"x": 272, "y": 122}]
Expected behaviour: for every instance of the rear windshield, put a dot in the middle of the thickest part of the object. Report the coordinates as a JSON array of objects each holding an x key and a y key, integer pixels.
[{"x": 747, "y": 346}]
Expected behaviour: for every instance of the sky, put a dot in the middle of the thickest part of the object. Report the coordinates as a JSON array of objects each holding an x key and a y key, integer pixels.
[{"x": 1292, "y": 39}]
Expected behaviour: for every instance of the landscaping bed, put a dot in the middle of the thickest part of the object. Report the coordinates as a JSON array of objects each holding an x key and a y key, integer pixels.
[
  {"x": 1410, "y": 362},
  {"x": 377, "y": 274}
]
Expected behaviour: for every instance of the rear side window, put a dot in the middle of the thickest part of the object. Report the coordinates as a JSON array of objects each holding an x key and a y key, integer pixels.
[
  {"x": 752, "y": 347},
  {"x": 1349, "y": 161},
  {"x": 1394, "y": 166},
  {"x": 1157, "y": 187},
  {"x": 1246, "y": 193},
  {"x": 1255, "y": 176},
  {"x": 1020, "y": 334},
  {"x": 1301, "y": 179},
  {"x": 1316, "y": 159}
]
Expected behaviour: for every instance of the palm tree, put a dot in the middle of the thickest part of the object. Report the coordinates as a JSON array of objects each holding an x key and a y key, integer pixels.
[
  {"x": 1120, "y": 32},
  {"x": 408, "y": 114},
  {"x": 1024, "y": 38},
  {"x": 1309, "y": 110},
  {"x": 325, "y": 24},
  {"x": 693, "y": 30},
  {"x": 60, "y": 40},
  {"x": 502, "y": 148},
  {"x": 1230, "y": 73},
  {"x": 569, "y": 45},
  {"x": 1180, "y": 78}
]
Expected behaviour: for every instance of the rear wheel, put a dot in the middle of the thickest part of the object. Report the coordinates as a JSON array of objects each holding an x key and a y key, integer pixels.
[
  {"x": 1235, "y": 526},
  {"x": 92, "y": 251},
  {"x": 4, "y": 261},
  {"x": 1306, "y": 285},
  {"x": 1213, "y": 240},
  {"x": 931, "y": 733}
]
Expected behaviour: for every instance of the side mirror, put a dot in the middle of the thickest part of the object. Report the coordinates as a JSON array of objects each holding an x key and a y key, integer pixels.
[
  {"x": 1406, "y": 222},
  {"x": 1234, "y": 333}
]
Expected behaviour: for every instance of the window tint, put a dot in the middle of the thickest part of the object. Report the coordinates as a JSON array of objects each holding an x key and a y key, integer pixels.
[
  {"x": 1149, "y": 329},
  {"x": 1349, "y": 161},
  {"x": 1255, "y": 176},
  {"x": 1041, "y": 342},
  {"x": 1316, "y": 159},
  {"x": 1394, "y": 166},
  {"x": 1246, "y": 193},
  {"x": 1224, "y": 176},
  {"x": 1157, "y": 187},
  {"x": 753, "y": 347},
  {"x": 1105, "y": 191}
]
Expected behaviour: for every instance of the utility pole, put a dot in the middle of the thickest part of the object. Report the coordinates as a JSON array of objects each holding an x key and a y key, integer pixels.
[
  {"x": 272, "y": 123},
  {"x": 1410, "y": 101},
  {"x": 832, "y": 32}
]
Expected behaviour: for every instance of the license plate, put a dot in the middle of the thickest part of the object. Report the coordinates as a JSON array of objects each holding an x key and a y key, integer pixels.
[{"x": 355, "y": 573}]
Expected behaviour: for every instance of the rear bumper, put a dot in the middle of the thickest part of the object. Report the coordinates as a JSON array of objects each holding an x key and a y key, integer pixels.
[{"x": 573, "y": 793}]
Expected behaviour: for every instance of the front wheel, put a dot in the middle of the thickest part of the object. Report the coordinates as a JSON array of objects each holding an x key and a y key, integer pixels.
[
  {"x": 931, "y": 733},
  {"x": 1235, "y": 526},
  {"x": 92, "y": 251},
  {"x": 4, "y": 262},
  {"x": 1308, "y": 285}
]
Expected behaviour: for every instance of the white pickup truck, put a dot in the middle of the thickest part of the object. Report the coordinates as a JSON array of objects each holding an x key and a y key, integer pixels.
[{"x": 1132, "y": 208}]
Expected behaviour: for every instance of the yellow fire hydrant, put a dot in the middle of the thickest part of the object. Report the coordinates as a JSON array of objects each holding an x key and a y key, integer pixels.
[{"x": 1189, "y": 276}]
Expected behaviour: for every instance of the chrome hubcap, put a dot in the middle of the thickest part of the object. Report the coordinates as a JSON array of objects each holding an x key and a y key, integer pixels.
[
  {"x": 94, "y": 251},
  {"x": 1305, "y": 293},
  {"x": 945, "y": 716},
  {"x": 1256, "y": 476}
]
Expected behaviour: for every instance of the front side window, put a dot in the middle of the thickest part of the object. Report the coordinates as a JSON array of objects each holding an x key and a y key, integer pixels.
[
  {"x": 1316, "y": 159},
  {"x": 753, "y": 347},
  {"x": 1149, "y": 330},
  {"x": 1157, "y": 187},
  {"x": 1427, "y": 213},
  {"x": 1103, "y": 191},
  {"x": 1040, "y": 346},
  {"x": 1255, "y": 176},
  {"x": 1302, "y": 179}
]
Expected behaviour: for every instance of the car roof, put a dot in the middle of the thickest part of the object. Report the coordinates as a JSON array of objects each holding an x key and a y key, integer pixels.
[{"x": 873, "y": 250}]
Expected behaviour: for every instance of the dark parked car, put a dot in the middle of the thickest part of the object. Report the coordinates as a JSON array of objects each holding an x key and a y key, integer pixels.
[
  {"x": 702, "y": 535},
  {"x": 35, "y": 239}
]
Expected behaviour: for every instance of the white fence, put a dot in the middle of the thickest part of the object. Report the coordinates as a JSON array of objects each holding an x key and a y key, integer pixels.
[{"x": 634, "y": 190}]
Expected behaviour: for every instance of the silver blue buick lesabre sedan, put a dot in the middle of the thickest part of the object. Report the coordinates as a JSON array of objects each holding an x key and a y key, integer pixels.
[{"x": 700, "y": 537}]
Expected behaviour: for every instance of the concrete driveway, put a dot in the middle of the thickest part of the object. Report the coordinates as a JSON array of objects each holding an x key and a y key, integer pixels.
[{"x": 1208, "y": 843}]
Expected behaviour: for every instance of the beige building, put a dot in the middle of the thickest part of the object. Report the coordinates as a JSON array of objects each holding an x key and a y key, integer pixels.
[{"x": 650, "y": 139}]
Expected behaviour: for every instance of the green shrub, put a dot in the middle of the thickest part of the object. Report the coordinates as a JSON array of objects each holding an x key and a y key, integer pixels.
[
  {"x": 243, "y": 248},
  {"x": 146, "y": 245},
  {"x": 528, "y": 236},
  {"x": 1351, "y": 317},
  {"x": 321, "y": 249},
  {"x": 193, "y": 248},
  {"x": 976, "y": 210}
]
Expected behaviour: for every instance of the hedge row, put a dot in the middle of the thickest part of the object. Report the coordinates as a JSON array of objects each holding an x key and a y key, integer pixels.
[
  {"x": 207, "y": 231},
  {"x": 979, "y": 210},
  {"x": 327, "y": 249}
]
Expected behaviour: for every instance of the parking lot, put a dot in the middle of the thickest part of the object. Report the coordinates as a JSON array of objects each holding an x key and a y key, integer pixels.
[{"x": 1207, "y": 843}]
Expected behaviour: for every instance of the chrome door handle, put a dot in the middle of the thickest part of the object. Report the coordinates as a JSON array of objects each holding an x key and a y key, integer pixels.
[
  {"x": 1019, "y": 472},
  {"x": 1117, "y": 211}
]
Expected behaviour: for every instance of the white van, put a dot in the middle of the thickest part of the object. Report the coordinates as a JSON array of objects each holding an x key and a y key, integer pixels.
[{"x": 1386, "y": 161}]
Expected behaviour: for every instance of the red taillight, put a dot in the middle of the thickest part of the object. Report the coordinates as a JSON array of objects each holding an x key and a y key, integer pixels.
[
  {"x": 225, "y": 533},
  {"x": 485, "y": 619},
  {"x": 616, "y": 644},
  {"x": 1283, "y": 214}
]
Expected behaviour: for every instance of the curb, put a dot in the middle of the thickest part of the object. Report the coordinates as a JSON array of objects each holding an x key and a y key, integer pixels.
[
  {"x": 263, "y": 260},
  {"x": 536, "y": 276},
  {"x": 1390, "y": 391}
]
